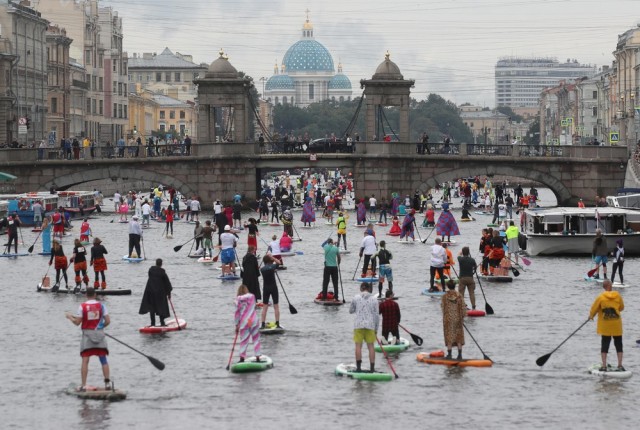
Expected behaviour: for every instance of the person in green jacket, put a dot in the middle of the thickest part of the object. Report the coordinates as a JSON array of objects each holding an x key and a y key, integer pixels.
[{"x": 512, "y": 234}]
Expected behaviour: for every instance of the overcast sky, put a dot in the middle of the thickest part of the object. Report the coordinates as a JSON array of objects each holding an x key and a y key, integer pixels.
[{"x": 449, "y": 47}]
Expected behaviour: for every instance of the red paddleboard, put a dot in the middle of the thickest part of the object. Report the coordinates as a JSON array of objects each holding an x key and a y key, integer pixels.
[
  {"x": 475, "y": 313},
  {"x": 171, "y": 326}
]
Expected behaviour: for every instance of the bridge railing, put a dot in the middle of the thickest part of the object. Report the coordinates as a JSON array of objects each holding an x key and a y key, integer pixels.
[{"x": 214, "y": 150}]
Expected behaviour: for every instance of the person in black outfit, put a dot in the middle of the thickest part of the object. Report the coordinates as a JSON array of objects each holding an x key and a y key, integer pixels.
[
  {"x": 251, "y": 272},
  {"x": 157, "y": 292}
]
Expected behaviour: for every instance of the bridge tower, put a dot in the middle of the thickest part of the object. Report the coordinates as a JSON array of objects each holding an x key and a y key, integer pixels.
[
  {"x": 387, "y": 87},
  {"x": 224, "y": 115}
]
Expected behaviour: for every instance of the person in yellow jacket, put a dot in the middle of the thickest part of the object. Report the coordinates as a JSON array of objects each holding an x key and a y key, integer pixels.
[
  {"x": 341, "y": 223},
  {"x": 608, "y": 306},
  {"x": 512, "y": 234}
]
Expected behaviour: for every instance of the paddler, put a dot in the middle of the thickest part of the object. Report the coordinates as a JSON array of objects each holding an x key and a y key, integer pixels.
[
  {"x": 468, "y": 267},
  {"x": 384, "y": 271},
  {"x": 12, "y": 222},
  {"x": 368, "y": 248},
  {"x": 92, "y": 317},
  {"x": 253, "y": 232},
  {"x": 197, "y": 234},
  {"x": 361, "y": 213},
  {"x": 407, "y": 226},
  {"x": 390, "y": 311},
  {"x": 429, "y": 217},
  {"x": 135, "y": 235},
  {"x": 228, "y": 242},
  {"x": 57, "y": 218},
  {"x": 61, "y": 264},
  {"x": 207, "y": 238},
  {"x": 287, "y": 222},
  {"x": 438, "y": 257},
  {"x": 341, "y": 223},
  {"x": 99, "y": 263},
  {"x": 497, "y": 251},
  {"x": 285, "y": 242},
  {"x": 79, "y": 260},
  {"x": 247, "y": 322},
  {"x": 157, "y": 292},
  {"x": 365, "y": 327},
  {"x": 270, "y": 288},
  {"x": 308, "y": 212},
  {"x": 38, "y": 211},
  {"x": 146, "y": 212},
  {"x": 453, "y": 313},
  {"x": 608, "y": 306},
  {"x": 512, "y": 234},
  {"x": 168, "y": 219},
  {"x": 331, "y": 263},
  {"x": 85, "y": 231},
  {"x": 599, "y": 253},
  {"x": 251, "y": 272},
  {"x": 447, "y": 225},
  {"x": 274, "y": 247}
]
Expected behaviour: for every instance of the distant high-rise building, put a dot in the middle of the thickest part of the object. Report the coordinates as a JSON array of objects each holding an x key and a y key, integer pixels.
[{"x": 519, "y": 81}]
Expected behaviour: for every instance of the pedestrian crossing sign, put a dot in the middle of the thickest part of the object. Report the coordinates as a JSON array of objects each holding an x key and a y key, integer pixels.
[
  {"x": 614, "y": 137},
  {"x": 569, "y": 120},
  {"x": 564, "y": 123}
]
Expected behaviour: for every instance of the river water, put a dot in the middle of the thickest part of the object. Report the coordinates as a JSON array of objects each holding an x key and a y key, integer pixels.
[{"x": 39, "y": 348}]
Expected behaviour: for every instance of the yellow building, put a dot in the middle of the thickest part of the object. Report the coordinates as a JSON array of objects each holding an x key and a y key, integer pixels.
[{"x": 150, "y": 112}]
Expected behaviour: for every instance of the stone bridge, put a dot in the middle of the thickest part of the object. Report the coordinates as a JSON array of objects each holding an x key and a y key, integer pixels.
[{"x": 218, "y": 171}]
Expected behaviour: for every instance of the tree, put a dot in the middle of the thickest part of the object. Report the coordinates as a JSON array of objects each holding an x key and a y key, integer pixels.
[
  {"x": 533, "y": 134},
  {"x": 506, "y": 110}
]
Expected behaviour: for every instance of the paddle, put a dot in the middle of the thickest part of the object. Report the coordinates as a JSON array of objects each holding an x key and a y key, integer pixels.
[
  {"x": 591, "y": 272},
  {"x": 486, "y": 357},
  {"x": 233, "y": 347},
  {"x": 143, "y": 250},
  {"x": 427, "y": 238},
  {"x": 174, "y": 314},
  {"x": 517, "y": 265},
  {"x": 45, "y": 275},
  {"x": 341, "y": 287},
  {"x": 215, "y": 259},
  {"x": 387, "y": 357},
  {"x": 487, "y": 308},
  {"x": 34, "y": 242},
  {"x": 238, "y": 261},
  {"x": 179, "y": 247},
  {"x": 356, "y": 271},
  {"x": 543, "y": 359},
  {"x": 417, "y": 229},
  {"x": 296, "y": 230},
  {"x": 291, "y": 308},
  {"x": 525, "y": 260},
  {"x": 157, "y": 363},
  {"x": 416, "y": 339}
]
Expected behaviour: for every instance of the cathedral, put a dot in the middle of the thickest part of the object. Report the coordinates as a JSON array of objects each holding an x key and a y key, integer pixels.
[{"x": 307, "y": 74}]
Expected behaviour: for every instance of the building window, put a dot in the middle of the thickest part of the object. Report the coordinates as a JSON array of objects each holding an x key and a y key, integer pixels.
[
  {"x": 163, "y": 128},
  {"x": 595, "y": 94},
  {"x": 158, "y": 77},
  {"x": 124, "y": 108},
  {"x": 101, "y": 107},
  {"x": 176, "y": 77},
  {"x": 100, "y": 60},
  {"x": 88, "y": 107},
  {"x": 195, "y": 76},
  {"x": 114, "y": 114},
  {"x": 54, "y": 105},
  {"x": 311, "y": 91},
  {"x": 93, "y": 107},
  {"x": 120, "y": 111},
  {"x": 595, "y": 131},
  {"x": 167, "y": 77},
  {"x": 115, "y": 88},
  {"x": 87, "y": 57},
  {"x": 182, "y": 114},
  {"x": 148, "y": 77},
  {"x": 161, "y": 114},
  {"x": 115, "y": 66},
  {"x": 101, "y": 84},
  {"x": 172, "y": 114},
  {"x": 182, "y": 129},
  {"x": 594, "y": 111},
  {"x": 172, "y": 127},
  {"x": 130, "y": 78},
  {"x": 94, "y": 83},
  {"x": 284, "y": 100},
  {"x": 120, "y": 89},
  {"x": 139, "y": 78}
]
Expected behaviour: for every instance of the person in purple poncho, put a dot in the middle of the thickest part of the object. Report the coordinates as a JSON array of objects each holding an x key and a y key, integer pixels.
[
  {"x": 361, "y": 213},
  {"x": 395, "y": 204},
  {"x": 447, "y": 225},
  {"x": 407, "y": 226},
  {"x": 308, "y": 213}
]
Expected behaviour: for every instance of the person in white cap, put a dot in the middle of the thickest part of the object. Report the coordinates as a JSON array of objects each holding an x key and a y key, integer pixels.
[
  {"x": 135, "y": 235},
  {"x": 228, "y": 242}
]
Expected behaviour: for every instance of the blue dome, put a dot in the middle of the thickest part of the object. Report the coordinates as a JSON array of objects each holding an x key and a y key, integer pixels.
[
  {"x": 279, "y": 82},
  {"x": 308, "y": 55},
  {"x": 339, "y": 82}
]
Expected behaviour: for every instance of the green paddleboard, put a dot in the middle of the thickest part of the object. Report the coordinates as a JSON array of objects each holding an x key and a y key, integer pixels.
[
  {"x": 251, "y": 365},
  {"x": 349, "y": 370}
]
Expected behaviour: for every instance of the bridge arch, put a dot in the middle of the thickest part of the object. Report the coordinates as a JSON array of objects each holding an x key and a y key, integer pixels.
[
  {"x": 96, "y": 173},
  {"x": 562, "y": 193}
]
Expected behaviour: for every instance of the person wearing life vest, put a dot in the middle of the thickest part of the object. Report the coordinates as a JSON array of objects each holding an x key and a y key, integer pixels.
[
  {"x": 61, "y": 264},
  {"x": 99, "y": 262},
  {"x": 79, "y": 260},
  {"x": 92, "y": 317},
  {"x": 57, "y": 218},
  {"x": 512, "y": 234},
  {"x": 85, "y": 231},
  {"x": 341, "y": 223}
]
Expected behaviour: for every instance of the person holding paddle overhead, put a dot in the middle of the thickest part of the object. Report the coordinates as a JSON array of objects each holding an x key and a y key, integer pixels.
[
  {"x": 468, "y": 267},
  {"x": 92, "y": 317},
  {"x": 365, "y": 326},
  {"x": 246, "y": 321},
  {"x": 608, "y": 306},
  {"x": 157, "y": 292},
  {"x": 270, "y": 288},
  {"x": 453, "y": 313},
  {"x": 331, "y": 262}
]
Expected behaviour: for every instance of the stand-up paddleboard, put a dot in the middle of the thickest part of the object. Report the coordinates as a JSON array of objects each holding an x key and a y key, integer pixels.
[
  {"x": 132, "y": 259},
  {"x": 271, "y": 328},
  {"x": 251, "y": 365},
  {"x": 619, "y": 285},
  {"x": 99, "y": 291},
  {"x": 328, "y": 223},
  {"x": 36, "y": 230},
  {"x": 360, "y": 225},
  {"x": 124, "y": 221},
  {"x": 206, "y": 260},
  {"x": 291, "y": 253},
  {"x": 407, "y": 242},
  {"x": 96, "y": 393},
  {"x": 466, "y": 219},
  {"x": 393, "y": 349},
  {"x": 425, "y": 357},
  {"x": 10, "y": 255},
  {"x": 393, "y": 234},
  {"x": 45, "y": 254},
  {"x": 344, "y": 251},
  {"x": 382, "y": 224},
  {"x": 449, "y": 242},
  {"x": 367, "y": 279},
  {"x": 383, "y": 298},
  {"x": 171, "y": 325},
  {"x": 229, "y": 277},
  {"x": 492, "y": 225},
  {"x": 611, "y": 372},
  {"x": 329, "y": 302},
  {"x": 275, "y": 224},
  {"x": 496, "y": 278},
  {"x": 85, "y": 243},
  {"x": 426, "y": 292},
  {"x": 349, "y": 370},
  {"x": 476, "y": 313},
  {"x": 483, "y": 213}
]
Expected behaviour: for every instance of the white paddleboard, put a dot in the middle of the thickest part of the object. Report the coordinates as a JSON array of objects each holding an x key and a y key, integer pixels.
[{"x": 612, "y": 372}]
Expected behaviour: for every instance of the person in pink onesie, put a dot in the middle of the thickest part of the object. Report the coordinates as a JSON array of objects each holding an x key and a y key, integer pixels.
[{"x": 247, "y": 322}]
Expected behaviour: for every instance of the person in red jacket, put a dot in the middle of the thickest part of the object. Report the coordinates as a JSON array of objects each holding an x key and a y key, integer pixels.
[
  {"x": 390, "y": 312},
  {"x": 92, "y": 317}
]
